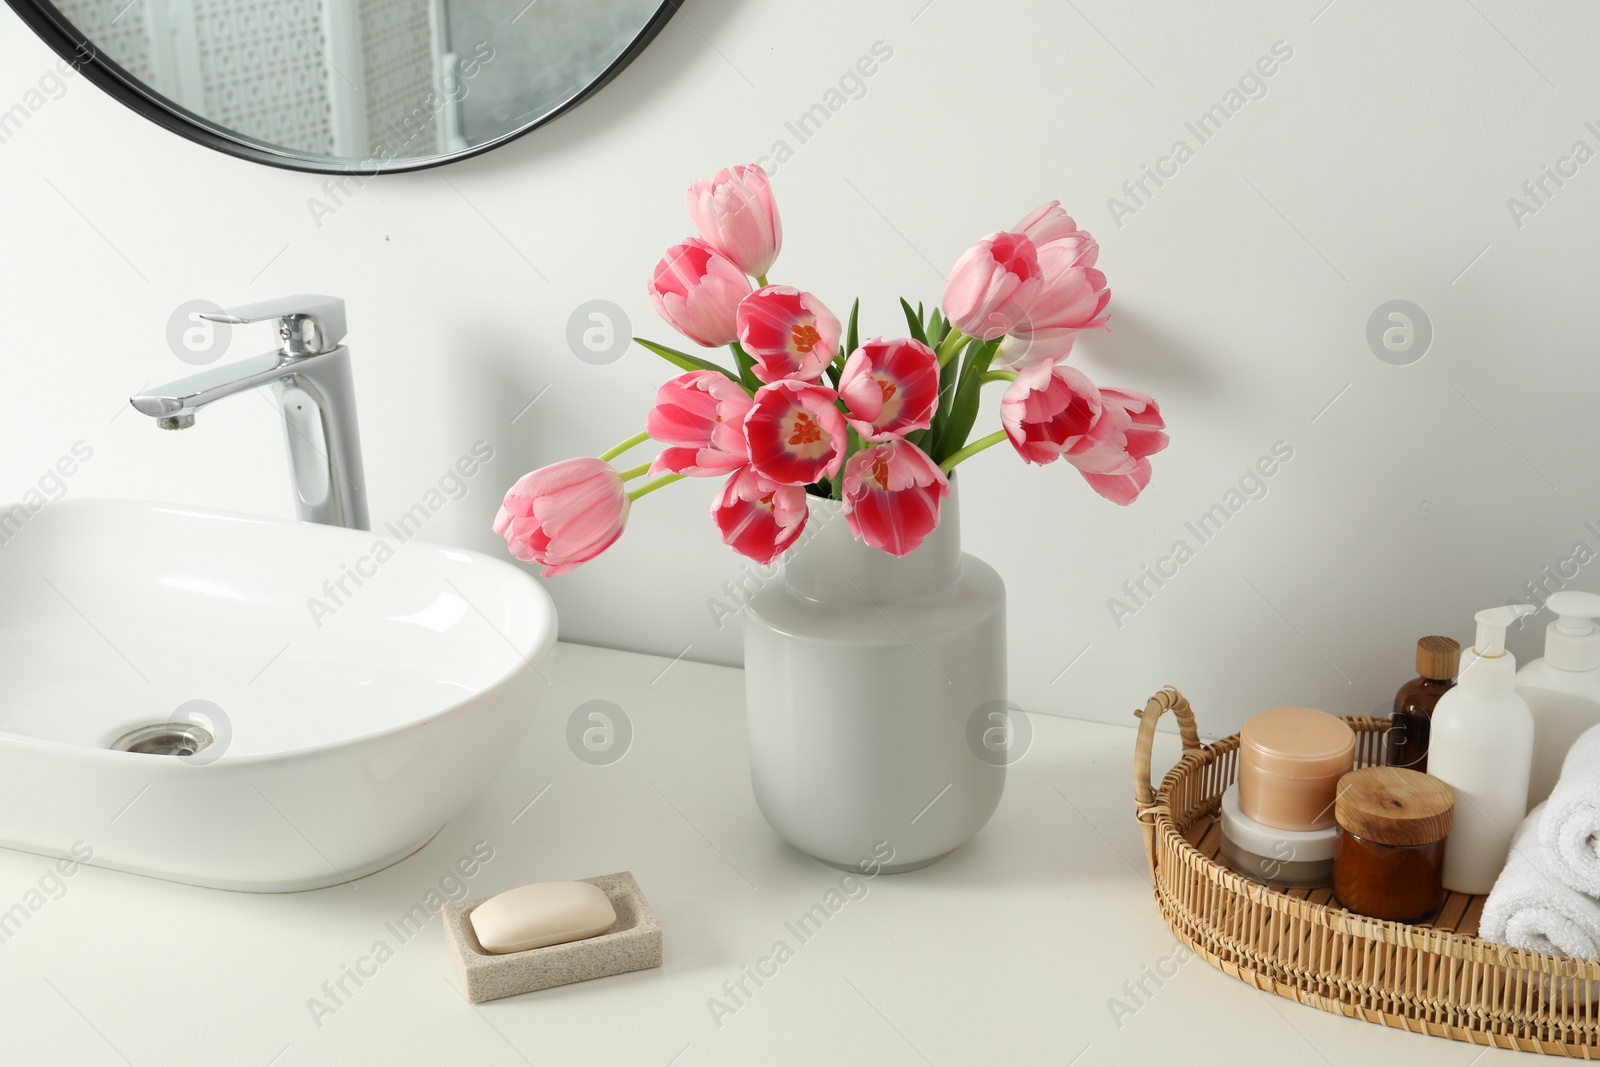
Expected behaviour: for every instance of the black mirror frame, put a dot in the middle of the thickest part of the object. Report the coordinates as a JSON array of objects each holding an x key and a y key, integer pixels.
[{"x": 66, "y": 40}]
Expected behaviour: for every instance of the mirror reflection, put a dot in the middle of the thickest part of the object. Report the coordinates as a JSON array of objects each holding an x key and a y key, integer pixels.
[{"x": 365, "y": 81}]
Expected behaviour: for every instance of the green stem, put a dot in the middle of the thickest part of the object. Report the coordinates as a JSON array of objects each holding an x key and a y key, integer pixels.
[
  {"x": 951, "y": 345},
  {"x": 637, "y": 439},
  {"x": 761, "y": 280},
  {"x": 998, "y": 376},
  {"x": 745, "y": 364},
  {"x": 972, "y": 450},
  {"x": 634, "y": 472},
  {"x": 650, "y": 487}
]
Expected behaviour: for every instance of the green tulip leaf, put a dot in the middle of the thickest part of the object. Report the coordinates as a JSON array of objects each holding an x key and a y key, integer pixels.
[
  {"x": 684, "y": 360},
  {"x": 914, "y": 322},
  {"x": 964, "y": 407}
]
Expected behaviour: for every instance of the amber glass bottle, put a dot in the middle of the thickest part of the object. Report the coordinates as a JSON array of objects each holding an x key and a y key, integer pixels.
[{"x": 1437, "y": 660}]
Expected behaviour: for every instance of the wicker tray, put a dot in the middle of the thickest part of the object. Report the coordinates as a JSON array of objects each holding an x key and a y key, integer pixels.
[{"x": 1430, "y": 978}]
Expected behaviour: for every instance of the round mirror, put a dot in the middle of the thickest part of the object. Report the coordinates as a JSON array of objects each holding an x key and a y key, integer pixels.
[{"x": 363, "y": 86}]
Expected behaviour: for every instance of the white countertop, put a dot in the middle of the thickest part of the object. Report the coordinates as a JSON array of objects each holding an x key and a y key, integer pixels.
[{"x": 1010, "y": 951}]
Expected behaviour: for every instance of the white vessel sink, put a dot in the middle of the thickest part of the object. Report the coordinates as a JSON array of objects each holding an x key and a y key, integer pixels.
[{"x": 344, "y": 738}]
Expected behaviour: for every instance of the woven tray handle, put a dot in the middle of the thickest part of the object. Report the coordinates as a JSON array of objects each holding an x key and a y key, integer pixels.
[{"x": 1144, "y": 792}]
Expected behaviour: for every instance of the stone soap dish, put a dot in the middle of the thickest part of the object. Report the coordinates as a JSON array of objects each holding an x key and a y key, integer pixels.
[{"x": 632, "y": 944}]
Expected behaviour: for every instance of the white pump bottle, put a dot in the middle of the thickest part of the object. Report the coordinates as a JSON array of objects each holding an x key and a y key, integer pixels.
[
  {"x": 1482, "y": 747},
  {"x": 1563, "y": 688}
]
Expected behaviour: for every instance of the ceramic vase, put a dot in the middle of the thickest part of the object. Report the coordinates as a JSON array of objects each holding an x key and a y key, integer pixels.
[{"x": 871, "y": 681}]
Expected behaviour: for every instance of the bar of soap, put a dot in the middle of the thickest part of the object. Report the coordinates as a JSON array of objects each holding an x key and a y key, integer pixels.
[{"x": 545, "y": 913}]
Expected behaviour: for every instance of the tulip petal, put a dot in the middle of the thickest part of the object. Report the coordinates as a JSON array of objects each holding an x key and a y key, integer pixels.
[
  {"x": 1121, "y": 489},
  {"x": 757, "y": 518},
  {"x": 892, "y": 495}
]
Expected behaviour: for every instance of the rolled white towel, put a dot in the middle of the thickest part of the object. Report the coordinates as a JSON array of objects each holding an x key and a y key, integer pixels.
[
  {"x": 1531, "y": 907},
  {"x": 1570, "y": 829}
]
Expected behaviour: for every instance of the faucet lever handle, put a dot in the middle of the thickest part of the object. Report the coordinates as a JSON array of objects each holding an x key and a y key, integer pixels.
[{"x": 308, "y": 325}]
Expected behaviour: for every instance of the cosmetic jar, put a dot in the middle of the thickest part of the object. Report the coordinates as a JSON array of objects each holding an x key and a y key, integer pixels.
[
  {"x": 1288, "y": 859},
  {"x": 1290, "y": 763},
  {"x": 1392, "y": 828}
]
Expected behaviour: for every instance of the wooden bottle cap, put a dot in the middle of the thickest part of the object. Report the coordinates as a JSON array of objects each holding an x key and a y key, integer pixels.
[
  {"x": 1438, "y": 657},
  {"x": 1394, "y": 806}
]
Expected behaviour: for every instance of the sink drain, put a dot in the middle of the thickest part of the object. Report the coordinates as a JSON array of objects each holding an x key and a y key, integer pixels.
[{"x": 164, "y": 739}]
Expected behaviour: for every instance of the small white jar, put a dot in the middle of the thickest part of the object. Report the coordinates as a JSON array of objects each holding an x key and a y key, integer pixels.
[{"x": 1287, "y": 859}]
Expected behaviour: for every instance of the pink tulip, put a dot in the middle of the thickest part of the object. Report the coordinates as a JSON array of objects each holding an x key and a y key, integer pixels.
[
  {"x": 795, "y": 434},
  {"x": 891, "y": 387},
  {"x": 992, "y": 286},
  {"x": 1047, "y": 223},
  {"x": 734, "y": 213},
  {"x": 564, "y": 514},
  {"x": 1048, "y": 410},
  {"x": 1114, "y": 456},
  {"x": 758, "y": 518},
  {"x": 698, "y": 292},
  {"x": 701, "y": 415},
  {"x": 788, "y": 333},
  {"x": 1072, "y": 298},
  {"x": 892, "y": 494}
]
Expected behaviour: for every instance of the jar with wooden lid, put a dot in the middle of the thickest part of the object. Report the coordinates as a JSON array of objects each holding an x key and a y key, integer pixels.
[{"x": 1389, "y": 863}]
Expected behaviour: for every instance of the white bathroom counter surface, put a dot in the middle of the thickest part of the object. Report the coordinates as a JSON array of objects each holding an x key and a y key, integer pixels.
[{"x": 1037, "y": 943}]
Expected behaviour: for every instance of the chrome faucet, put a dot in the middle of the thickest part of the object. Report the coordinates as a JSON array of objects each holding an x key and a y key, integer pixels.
[{"x": 310, "y": 373}]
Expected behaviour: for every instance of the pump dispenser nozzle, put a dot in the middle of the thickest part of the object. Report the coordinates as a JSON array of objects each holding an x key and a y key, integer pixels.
[
  {"x": 1572, "y": 642},
  {"x": 1492, "y": 623},
  {"x": 1487, "y": 669}
]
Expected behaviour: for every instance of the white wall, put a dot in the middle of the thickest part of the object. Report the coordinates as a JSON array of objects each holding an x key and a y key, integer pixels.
[{"x": 1377, "y": 166}]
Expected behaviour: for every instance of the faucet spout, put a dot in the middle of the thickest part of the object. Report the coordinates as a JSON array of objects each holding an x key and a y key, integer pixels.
[
  {"x": 310, "y": 373},
  {"x": 188, "y": 395}
]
